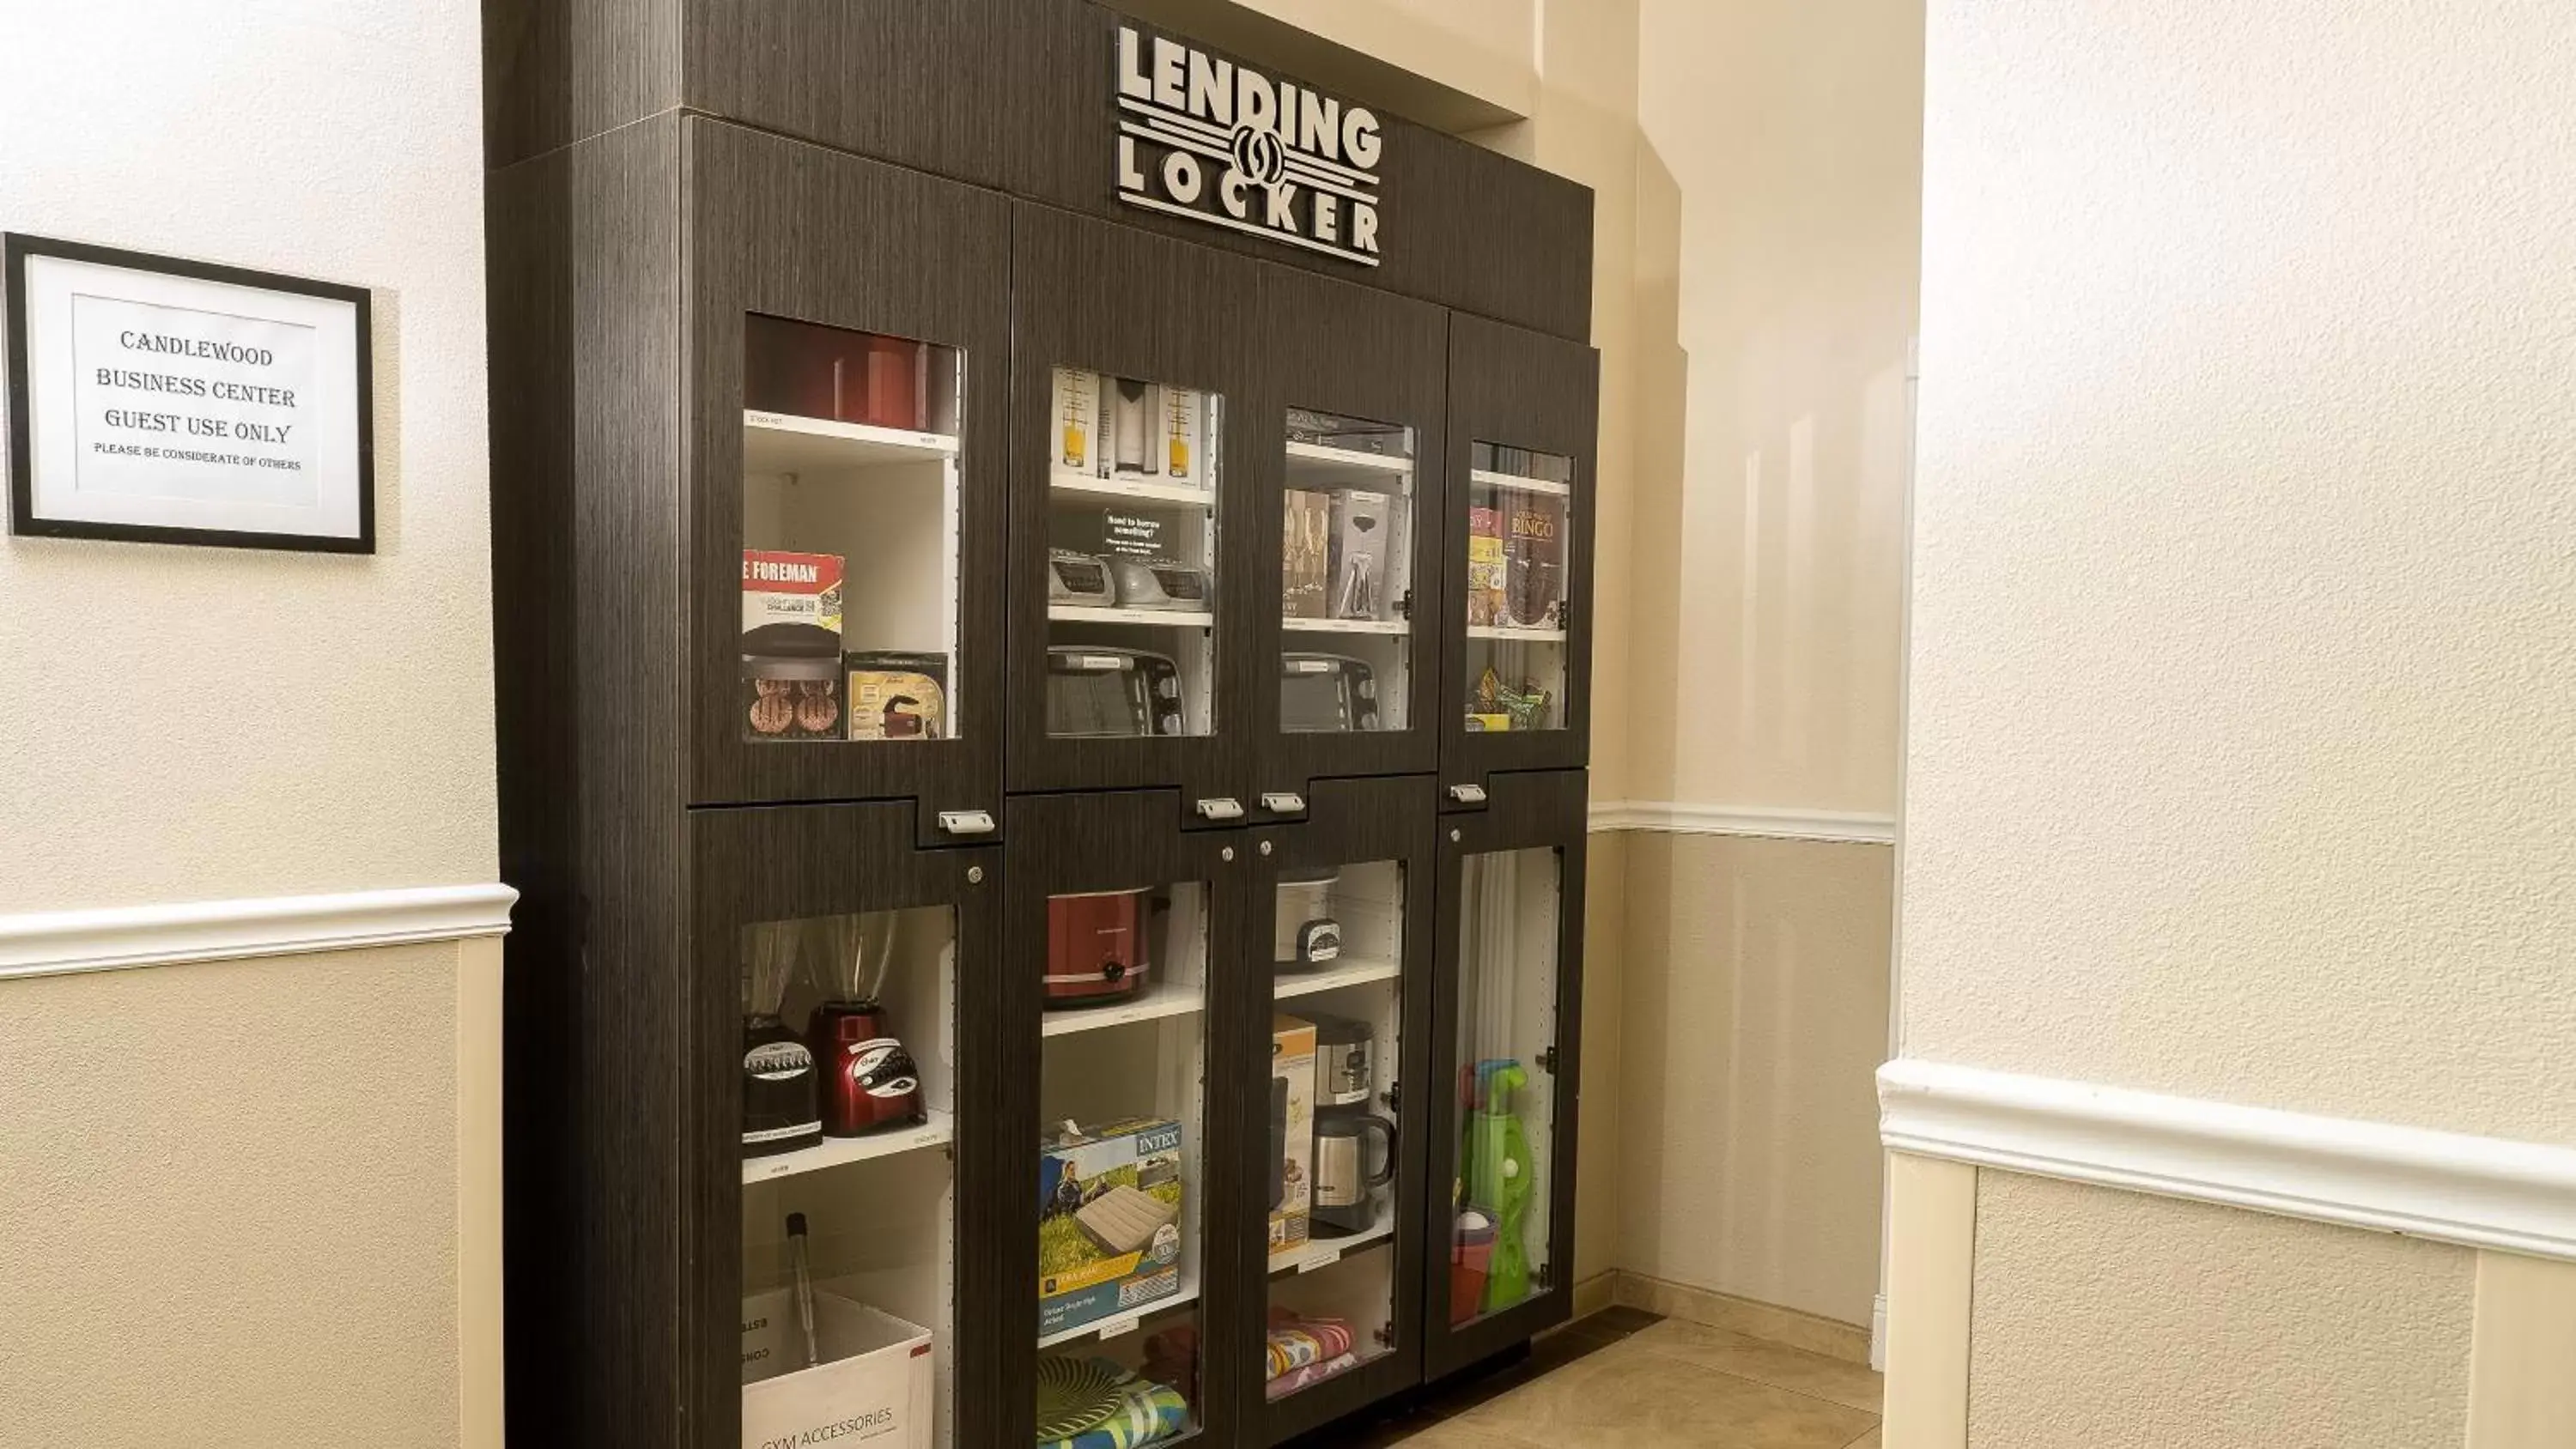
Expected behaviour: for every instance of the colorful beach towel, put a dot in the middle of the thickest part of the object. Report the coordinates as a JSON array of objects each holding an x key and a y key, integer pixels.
[
  {"x": 1141, "y": 1412},
  {"x": 1297, "y": 1342}
]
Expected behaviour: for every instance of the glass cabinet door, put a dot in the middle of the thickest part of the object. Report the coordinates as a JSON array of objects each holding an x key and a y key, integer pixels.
[
  {"x": 1508, "y": 933},
  {"x": 1346, "y": 599},
  {"x": 1338, "y": 986},
  {"x": 1121, "y": 1174},
  {"x": 848, "y": 1087},
  {"x": 1131, "y": 557},
  {"x": 850, "y": 537},
  {"x": 1517, "y": 588}
]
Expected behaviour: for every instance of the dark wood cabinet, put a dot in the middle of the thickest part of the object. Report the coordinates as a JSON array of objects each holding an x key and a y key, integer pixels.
[
  {"x": 1506, "y": 1050},
  {"x": 824, "y": 356},
  {"x": 1125, "y": 998},
  {"x": 782, "y": 230},
  {"x": 1345, "y": 921},
  {"x": 1353, "y": 438},
  {"x": 1523, "y": 416},
  {"x": 1126, "y": 318}
]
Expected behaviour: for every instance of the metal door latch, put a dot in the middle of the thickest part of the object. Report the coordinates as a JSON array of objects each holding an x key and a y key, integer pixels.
[
  {"x": 966, "y": 822},
  {"x": 1221, "y": 807},
  {"x": 1467, "y": 794},
  {"x": 1283, "y": 802}
]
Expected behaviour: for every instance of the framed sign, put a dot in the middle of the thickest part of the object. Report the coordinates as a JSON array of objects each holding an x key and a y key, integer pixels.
[{"x": 164, "y": 401}]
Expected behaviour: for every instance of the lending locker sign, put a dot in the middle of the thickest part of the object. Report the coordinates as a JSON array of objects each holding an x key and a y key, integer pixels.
[{"x": 1224, "y": 144}]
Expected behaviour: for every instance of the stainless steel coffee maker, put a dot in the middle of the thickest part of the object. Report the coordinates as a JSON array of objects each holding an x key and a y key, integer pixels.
[{"x": 1346, "y": 1099}]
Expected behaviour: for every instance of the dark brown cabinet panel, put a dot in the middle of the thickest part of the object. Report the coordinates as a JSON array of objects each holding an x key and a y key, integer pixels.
[
  {"x": 1523, "y": 415},
  {"x": 1506, "y": 1049},
  {"x": 788, "y": 902},
  {"x": 1352, "y": 522},
  {"x": 1116, "y": 335},
  {"x": 1124, "y": 1014},
  {"x": 786, "y": 233},
  {"x": 1343, "y": 916},
  {"x": 1019, "y": 96}
]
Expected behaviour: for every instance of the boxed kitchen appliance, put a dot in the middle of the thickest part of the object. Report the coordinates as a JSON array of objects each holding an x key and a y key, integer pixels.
[
  {"x": 872, "y": 1383},
  {"x": 1488, "y": 574},
  {"x": 1077, "y": 413},
  {"x": 1306, "y": 533},
  {"x": 791, "y": 645},
  {"x": 1292, "y": 1131},
  {"x": 1359, "y": 555},
  {"x": 1109, "y": 1220}
]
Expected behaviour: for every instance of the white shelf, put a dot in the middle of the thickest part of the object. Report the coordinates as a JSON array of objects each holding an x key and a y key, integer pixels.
[
  {"x": 1323, "y": 456},
  {"x": 1339, "y": 974},
  {"x": 1133, "y": 490},
  {"x": 1325, "y": 1252},
  {"x": 1161, "y": 1001},
  {"x": 840, "y": 1151},
  {"x": 1125, "y": 1323},
  {"x": 1518, "y": 484},
  {"x": 1346, "y": 626},
  {"x": 787, "y": 443},
  {"x": 1516, "y": 633},
  {"x": 1158, "y": 618}
]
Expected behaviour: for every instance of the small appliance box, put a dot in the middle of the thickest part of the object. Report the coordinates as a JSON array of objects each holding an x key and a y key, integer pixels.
[
  {"x": 1181, "y": 451},
  {"x": 895, "y": 696},
  {"x": 790, "y": 588},
  {"x": 1109, "y": 1221},
  {"x": 1359, "y": 554},
  {"x": 1292, "y": 1132},
  {"x": 1488, "y": 574},
  {"x": 873, "y": 1386},
  {"x": 1305, "y": 548},
  {"x": 791, "y": 645},
  {"x": 1077, "y": 412}
]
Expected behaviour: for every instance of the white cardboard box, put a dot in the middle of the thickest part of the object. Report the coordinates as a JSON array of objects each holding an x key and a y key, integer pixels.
[{"x": 873, "y": 1386}]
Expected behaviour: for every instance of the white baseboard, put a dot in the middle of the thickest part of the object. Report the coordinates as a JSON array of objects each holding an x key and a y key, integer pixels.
[
  {"x": 2479, "y": 1192},
  {"x": 54, "y": 943},
  {"x": 1673, "y": 817}
]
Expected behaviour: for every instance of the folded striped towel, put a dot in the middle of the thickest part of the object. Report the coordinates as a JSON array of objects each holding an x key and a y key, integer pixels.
[
  {"x": 1295, "y": 1379},
  {"x": 1296, "y": 1342}
]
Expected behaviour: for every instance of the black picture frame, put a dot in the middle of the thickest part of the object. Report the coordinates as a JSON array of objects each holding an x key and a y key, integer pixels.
[{"x": 17, "y": 247}]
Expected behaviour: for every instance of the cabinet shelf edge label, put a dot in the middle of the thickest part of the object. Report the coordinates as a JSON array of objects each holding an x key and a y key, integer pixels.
[{"x": 1225, "y": 145}]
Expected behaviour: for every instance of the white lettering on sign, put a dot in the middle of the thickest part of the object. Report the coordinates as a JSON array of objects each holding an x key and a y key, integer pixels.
[
  {"x": 1224, "y": 144},
  {"x": 169, "y": 402}
]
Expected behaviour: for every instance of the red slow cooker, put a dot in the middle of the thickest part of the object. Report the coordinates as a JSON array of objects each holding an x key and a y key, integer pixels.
[{"x": 1096, "y": 948}]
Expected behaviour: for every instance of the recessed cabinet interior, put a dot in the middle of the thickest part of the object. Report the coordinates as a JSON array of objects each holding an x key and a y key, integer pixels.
[{"x": 1042, "y": 750}]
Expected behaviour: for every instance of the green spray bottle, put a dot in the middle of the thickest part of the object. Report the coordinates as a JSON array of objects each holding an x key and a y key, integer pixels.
[{"x": 1501, "y": 1177}]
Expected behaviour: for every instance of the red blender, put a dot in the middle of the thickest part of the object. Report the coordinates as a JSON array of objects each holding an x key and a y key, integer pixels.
[{"x": 868, "y": 1080}]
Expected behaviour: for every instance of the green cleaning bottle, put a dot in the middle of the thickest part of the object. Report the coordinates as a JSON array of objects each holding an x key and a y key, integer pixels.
[{"x": 1501, "y": 1178}]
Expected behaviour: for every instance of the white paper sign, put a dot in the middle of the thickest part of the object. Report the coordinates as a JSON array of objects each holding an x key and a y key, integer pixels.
[{"x": 166, "y": 406}]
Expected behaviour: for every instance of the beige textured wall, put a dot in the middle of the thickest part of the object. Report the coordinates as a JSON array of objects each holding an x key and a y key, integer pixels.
[
  {"x": 2244, "y": 693},
  {"x": 254, "y": 1204},
  {"x": 2119, "y": 1321},
  {"x": 2243, "y": 700},
  {"x": 1775, "y": 245},
  {"x": 232, "y": 1205},
  {"x": 317, "y": 723},
  {"x": 1755, "y": 1012},
  {"x": 1777, "y": 261}
]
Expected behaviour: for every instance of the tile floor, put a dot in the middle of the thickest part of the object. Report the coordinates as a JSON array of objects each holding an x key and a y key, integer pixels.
[{"x": 1629, "y": 1379}]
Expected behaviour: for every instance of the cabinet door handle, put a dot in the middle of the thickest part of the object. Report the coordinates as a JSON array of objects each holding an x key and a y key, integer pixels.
[
  {"x": 966, "y": 822},
  {"x": 1221, "y": 807},
  {"x": 1284, "y": 802},
  {"x": 1467, "y": 794}
]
